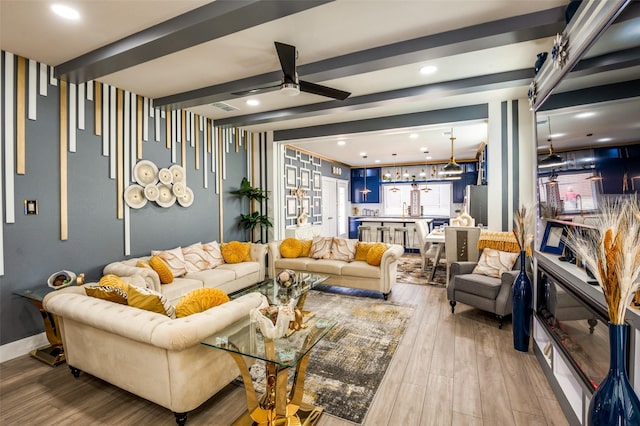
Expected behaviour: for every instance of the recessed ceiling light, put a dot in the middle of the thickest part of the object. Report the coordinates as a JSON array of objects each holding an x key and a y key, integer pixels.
[
  {"x": 362, "y": 154},
  {"x": 428, "y": 157},
  {"x": 341, "y": 143},
  {"x": 424, "y": 149},
  {"x": 585, "y": 114},
  {"x": 253, "y": 102},
  {"x": 557, "y": 135},
  {"x": 65, "y": 11},
  {"x": 428, "y": 69},
  {"x": 413, "y": 136},
  {"x": 377, "y": 161},
  {"x": 605, "y": 139}
]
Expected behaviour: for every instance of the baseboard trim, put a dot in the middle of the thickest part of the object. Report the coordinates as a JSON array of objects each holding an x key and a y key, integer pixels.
[{"x": 21, "y": 347}]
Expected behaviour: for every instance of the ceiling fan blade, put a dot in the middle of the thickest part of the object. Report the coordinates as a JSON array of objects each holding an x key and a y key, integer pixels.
[
  {"x": 287, "y": 56},
  {"x": 256, "y": 90},
  {"x": 318, "y": 89}
]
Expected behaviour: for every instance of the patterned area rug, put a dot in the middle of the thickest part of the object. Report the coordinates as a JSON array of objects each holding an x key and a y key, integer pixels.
[
  {"x": 347, "y": 366},
  {"x": 410, "y": 272}
]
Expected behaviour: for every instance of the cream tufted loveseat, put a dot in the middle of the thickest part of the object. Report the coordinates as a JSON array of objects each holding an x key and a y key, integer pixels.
[
  {"x": 227, "y": 277},
  {"x": 356, "y": 274},
  {"x": 146, "y": 353}
]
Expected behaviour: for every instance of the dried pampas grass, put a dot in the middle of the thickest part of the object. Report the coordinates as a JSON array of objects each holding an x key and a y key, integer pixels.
[
  {"x": 523, "y": 223},
  {"x": 612, "y": 253}
]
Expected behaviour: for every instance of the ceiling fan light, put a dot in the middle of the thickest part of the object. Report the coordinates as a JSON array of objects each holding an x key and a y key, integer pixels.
[{"x": 290, "y": 89}]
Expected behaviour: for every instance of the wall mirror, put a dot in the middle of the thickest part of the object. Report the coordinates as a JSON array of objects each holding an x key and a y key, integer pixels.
[{"x": 588, "y": 130}]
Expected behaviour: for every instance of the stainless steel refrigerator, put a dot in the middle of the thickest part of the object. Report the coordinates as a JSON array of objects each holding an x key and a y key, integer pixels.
[{"x": 475, "y": 197}]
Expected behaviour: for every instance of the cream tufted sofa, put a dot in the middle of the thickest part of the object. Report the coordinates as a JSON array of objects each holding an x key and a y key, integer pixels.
[
  {"x": 356, "y": 274},
  {"x": 146, "y": 353},
  {"x": 227, "y": 277}
]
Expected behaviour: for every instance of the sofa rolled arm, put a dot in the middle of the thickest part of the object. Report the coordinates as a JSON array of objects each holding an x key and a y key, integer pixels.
[
  {"x": 273, "y": 249},
  {"x": 389, "y": 267},
  {"x": 258, "y": 254},
  {"x": 121, "y": 269}
]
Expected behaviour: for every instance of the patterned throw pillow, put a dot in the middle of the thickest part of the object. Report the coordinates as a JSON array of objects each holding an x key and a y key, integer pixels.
[
  {"x": 236, "y": 252},
  {"x": 374, "y": 257},
  {"x": 149, "y": 300},
  {"x": 306, "y": 247},
  {"x": 214, "y": 255},
  {"x": 174, "y": 260},
  {"x": 291, "y": 248},
  {"x": 199, "y": 301},
  {"x": 195, "y": 258},
  {"x": 113, "y": 281},
  {"x": 494, "y": 262},
  {"x": 106, "y": 292},
  {"x": 362, "y": 249},
  {"x": 343, "y": 249},
  {"x": 321, "y": 248},
  {"x": 162, "y": 269}
]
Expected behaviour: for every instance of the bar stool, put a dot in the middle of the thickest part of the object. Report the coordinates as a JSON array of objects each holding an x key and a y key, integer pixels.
[
  {"x": 402, "y": 234},
  {"x": 364, "y": 233},
  {"x": 380, "y": 231}
]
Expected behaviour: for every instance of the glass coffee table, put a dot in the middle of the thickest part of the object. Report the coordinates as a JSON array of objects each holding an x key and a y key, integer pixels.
[{"x": 276, "y": 406}]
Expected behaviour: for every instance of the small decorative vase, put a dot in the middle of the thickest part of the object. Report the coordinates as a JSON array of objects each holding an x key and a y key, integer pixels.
[
  {"x": 522, "y": 307},
  {"x": 615, "y": 402}
]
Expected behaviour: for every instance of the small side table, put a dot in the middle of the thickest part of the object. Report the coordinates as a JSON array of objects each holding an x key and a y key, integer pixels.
[{"x": 52, "y": 354}]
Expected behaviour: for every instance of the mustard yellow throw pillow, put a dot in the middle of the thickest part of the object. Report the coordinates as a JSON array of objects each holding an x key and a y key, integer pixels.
[
  {"x": 374, "y": 257},
  {"x": 199, "y": 301},
  {"x": 306, "y": 248},
  {"x": 291, "y": 248},
  {"x": 149, "y": 300},
  {"x": 113, "y": 281},
  {"x": 161, "y": 268},
  {"x": 106, "y": 292},
  {"x": 362, "y": 249},
  {"x": 236, "y": 252},
  {"x": 174, "y": 259}
]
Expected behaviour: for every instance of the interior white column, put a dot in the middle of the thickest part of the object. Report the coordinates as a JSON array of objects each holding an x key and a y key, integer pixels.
[
  {"x": 527, "y": 160},
  {"x": 494, "y": 169}
]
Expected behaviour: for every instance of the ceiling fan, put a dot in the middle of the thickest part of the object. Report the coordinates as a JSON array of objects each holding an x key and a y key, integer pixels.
[{"x": 290, "y": 84}]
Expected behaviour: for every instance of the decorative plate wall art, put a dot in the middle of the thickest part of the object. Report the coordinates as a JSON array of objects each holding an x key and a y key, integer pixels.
[{"x": 163, "y": 186}]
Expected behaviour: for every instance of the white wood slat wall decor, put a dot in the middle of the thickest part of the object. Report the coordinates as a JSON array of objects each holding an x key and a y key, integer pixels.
[{"x": 120, "y": 120}]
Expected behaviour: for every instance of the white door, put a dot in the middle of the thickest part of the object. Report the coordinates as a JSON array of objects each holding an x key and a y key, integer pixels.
[
  {"x": 329, "y": 207},
  {"x": 342, "y": 201}
]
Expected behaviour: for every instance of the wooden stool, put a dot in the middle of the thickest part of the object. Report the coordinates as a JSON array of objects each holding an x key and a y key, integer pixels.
[
  {"x": 364, "y": 233},
  {"x": 380, "y": 231}
]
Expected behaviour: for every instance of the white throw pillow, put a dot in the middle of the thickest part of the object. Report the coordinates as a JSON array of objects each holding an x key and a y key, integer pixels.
[
  {"x": 321, "y": 247},
  {"x": 343, "y": 249},
  {"x": 214, "y": 254},
  {"x": 195, "y": 258},
  {"x": 494, "y": 263}
]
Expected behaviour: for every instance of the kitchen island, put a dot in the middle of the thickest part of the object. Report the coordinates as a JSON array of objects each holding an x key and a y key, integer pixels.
[{"x": 410, "y": 242}]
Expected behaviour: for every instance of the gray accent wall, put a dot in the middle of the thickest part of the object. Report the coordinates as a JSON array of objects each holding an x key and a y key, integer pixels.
[{"x": 32, "y": 246}]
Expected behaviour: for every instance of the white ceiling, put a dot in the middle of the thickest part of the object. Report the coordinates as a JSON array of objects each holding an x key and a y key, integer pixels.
[{"x": 341, "y": 31}]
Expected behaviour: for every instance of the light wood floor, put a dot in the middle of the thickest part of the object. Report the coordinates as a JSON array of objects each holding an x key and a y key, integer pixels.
[{"x": 448, "y": 370}]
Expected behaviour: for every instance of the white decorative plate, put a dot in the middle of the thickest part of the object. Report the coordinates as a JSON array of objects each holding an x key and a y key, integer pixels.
[
  {"x": 165, "y": 176},
  {"x": 134, "y": 196},
  {"x": 151, "y": 192},
  {"x": 165, "y": 196},
  {"x": 178, "y": 189},
  {"x": 145, "y": 172},
  {"x": 187, "y": 198},
  {"x": 178, "y": 173},
  {"x": 71, "y": 277}
]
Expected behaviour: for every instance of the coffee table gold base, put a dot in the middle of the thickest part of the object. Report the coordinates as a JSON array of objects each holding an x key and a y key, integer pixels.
[
  {"x": 52, "y": 355},
  {"x": 307, "y": 415}
]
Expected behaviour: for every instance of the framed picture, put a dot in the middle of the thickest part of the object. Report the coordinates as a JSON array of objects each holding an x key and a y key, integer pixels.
[
  {"x": 306, "y": 204},
  {"x": 305, "y": 179},
  {"x": 290, "y": 173},
  {"x": 292, "y": 211},
  {"x": 316, "y": 181},
  {"x": 317, "y": 206},
  {"x": 553, "y": 239}
]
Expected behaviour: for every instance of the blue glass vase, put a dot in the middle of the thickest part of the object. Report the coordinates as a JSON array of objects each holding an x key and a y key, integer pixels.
[
  {"x": 615, "y": 402},
  {"x": 522, "y": 307}
]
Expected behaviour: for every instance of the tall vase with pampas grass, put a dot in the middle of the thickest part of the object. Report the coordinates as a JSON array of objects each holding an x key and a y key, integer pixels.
[
  {"x": 612, "y": 254},
  {"x": 521, "y": 290}
]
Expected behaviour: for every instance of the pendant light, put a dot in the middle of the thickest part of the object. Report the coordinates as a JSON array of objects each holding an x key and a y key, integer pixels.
[
  {"x": 553, "y": 159},
  {"x": 395, "y": 188},
  {"x": 365, "y": 190},
  {"x": 553, "y": 179},
  {"x": 452, "y": 168}
]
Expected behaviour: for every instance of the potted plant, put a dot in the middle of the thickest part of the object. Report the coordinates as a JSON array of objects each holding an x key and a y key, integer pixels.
[{"x": 254, "y": 219}]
